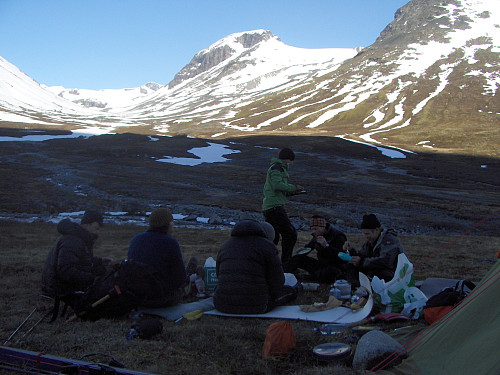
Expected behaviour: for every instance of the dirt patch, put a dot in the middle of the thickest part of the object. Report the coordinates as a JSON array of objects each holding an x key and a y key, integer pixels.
[{"x": 422, "y": 193}]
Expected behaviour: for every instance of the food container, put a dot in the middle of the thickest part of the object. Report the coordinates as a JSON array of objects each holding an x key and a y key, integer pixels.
[
  {"x": 335, "y": 292},
  {"x": 310, "y": 286},
  {"x": 332, "y": 351},
  {"x": 345, "y": 288}
]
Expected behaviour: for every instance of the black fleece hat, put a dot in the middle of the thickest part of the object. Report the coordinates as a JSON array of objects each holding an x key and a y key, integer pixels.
[
  {"x": 370, "y": 221},
  {"x": 286, "y": 154},
  {"x": 92, "y": 216}
]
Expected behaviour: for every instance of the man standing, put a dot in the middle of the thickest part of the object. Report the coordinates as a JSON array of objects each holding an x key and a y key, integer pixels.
[
  {"x": 379, "y": 254},
  {"x": 157, "y": 248},
  {"x": 70, "y": 265},
  {"x": 328, "y": 242},
  {"x": 276, "y": 189}
]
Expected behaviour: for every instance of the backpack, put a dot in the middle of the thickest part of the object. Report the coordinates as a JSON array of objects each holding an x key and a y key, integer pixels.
[
  {"x": 442, "y": 303},
  {"x": 121, "y": 289}
]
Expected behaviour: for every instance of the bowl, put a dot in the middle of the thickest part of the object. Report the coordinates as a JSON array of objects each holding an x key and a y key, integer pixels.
[{"x": 332, "y": 351}]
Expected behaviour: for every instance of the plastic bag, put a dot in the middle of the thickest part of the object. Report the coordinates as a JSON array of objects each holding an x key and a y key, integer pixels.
[
  {"x": 400, "y": 294},
  {"x": 290, "y": 279},
  {"x": 280, "y": 339},
  {"x": 210, "y": 274}
]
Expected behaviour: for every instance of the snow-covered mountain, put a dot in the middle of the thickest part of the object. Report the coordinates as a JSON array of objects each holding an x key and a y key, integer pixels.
[
  {"x": 107, "y": 98},
  {"x": 430, "y": 81}
]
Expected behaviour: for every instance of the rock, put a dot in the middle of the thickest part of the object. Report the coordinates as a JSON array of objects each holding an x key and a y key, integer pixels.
[
  {"x": 215, "y": 219},
  {"x": 373, "y": 348}
]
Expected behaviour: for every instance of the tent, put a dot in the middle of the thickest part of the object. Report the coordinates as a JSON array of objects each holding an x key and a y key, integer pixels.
[{"x": 465, "y": 341}]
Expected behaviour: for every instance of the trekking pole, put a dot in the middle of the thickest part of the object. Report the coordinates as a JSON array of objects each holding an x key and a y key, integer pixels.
[
  {"x": 19, "y": 327},
  {"x": 116, "y": 290},
  {"x": 32, "y": 328},
  {"x": 95, "y": 304}
]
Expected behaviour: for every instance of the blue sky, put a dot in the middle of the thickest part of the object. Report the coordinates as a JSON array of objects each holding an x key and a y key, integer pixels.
[{"x": 111, "y": 44}]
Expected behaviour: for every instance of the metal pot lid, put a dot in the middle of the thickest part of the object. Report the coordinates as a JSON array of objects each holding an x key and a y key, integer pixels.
[{"x": 332, "y": 350}]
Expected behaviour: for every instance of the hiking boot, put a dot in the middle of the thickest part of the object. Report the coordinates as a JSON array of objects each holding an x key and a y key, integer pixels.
[{"x": 191, "y": 266}]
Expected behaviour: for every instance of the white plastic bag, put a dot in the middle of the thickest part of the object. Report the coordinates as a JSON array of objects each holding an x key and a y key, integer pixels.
[
  {"x": 210, "y": 262},
  {"x": 290, "y": 279},
  {"x": 400, "y": 294}
]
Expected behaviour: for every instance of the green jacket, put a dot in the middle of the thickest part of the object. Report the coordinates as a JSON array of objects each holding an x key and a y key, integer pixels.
[{"x": 276, "y": 187}]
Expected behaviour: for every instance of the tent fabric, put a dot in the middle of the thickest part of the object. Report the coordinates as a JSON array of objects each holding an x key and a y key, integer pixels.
[{"x": 465, "y": 341}]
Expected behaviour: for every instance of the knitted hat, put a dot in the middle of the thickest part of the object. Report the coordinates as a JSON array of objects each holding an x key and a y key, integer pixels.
[
  {"x": 286, "y": 154},
  {"x": 160, "y": 217},
  {"x": 317, "y": 221},
  {"x": 370, "y": 221},
  {"x": 92, "y": 216}
]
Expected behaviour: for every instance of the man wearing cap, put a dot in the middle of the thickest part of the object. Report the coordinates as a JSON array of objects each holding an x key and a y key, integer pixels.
[
  {"x": 379, "y": 254},
  {"x": 156, "y": 247},
  {"x": 276, "y": 190},
  {"x": 70, "y": 265},
  {"x": 328, "y": 242}
]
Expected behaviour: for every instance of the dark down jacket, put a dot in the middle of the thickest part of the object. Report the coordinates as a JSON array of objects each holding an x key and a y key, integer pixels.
[
  {"x": 249, "y": 271},
  {"x": 70, "y": 265}
]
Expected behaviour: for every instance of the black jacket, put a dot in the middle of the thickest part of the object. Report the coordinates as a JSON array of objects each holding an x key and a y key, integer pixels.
[
  {"x": 70, "y": 265},
  {"x": 329, "y": 255},
  {"x": 249, "y": 271}
]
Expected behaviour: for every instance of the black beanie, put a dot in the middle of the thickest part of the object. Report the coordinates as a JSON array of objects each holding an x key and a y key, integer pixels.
[
  {"x": 370, "y": 221},
  {"x": 286, "y": 154}
]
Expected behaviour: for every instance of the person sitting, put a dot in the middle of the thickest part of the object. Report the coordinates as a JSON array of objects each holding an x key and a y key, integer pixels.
[
  {"x": 249, "y": 271},
  {"x": 328, "y": 242},
  {"x": 70, "y": 265},
  {"x": 157, "y": 248},
  {"x": 379, "y": 254}
]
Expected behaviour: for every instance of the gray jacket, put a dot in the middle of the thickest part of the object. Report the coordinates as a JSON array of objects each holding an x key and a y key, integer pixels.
[{"x": 381, "y": 258}]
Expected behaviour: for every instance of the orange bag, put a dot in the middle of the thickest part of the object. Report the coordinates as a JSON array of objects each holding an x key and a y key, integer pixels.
[{"x": 280, "y": 339}]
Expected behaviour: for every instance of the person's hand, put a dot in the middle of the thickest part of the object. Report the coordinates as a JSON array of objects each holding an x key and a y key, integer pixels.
[
  {"x": 355, "y": 260},
  {"x": 346, "y": 246},
  {"x": 299, "y": 188},
  {"x": 322, "y": 241}
]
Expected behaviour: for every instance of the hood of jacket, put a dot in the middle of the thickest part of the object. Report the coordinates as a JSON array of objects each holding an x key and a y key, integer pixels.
[
  {"x": 68, "y": 228},
  {"x": 279, "y": 161},
  {"x": 385, "y": 232},
  {"x": 248, "y": 227}
]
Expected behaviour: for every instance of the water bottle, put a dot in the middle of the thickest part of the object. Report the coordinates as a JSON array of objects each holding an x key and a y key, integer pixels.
[
  {"x": 200, "y": 286},
  {"x": 132, "y": 334},
  {"x": 331, "y": 329}
]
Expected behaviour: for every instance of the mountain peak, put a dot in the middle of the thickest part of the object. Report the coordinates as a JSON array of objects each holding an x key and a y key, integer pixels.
[{"x": 220, "y": 51}]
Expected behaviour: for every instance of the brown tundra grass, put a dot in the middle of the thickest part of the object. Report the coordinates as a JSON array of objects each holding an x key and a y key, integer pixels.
[{"x": 209, "y": 345}]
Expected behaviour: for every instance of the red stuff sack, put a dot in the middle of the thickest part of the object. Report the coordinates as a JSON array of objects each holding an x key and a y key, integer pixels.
[
  {"x": 442, "y": 303},
  {"x": 280, "y": 339},
  {"x": 431, "y": 314}
]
